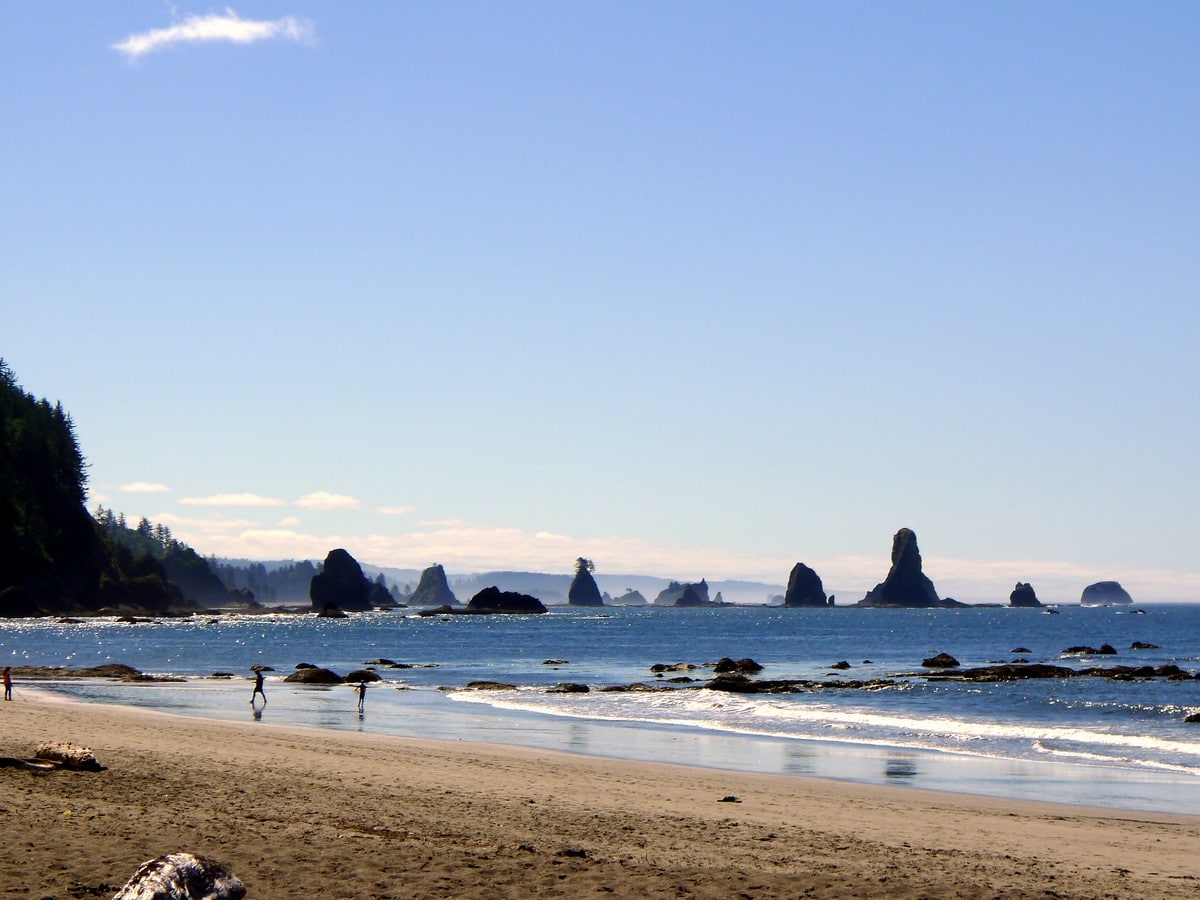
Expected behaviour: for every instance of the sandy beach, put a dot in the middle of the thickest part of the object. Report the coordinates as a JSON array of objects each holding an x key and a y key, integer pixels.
[{"x": 298, "y": 812}]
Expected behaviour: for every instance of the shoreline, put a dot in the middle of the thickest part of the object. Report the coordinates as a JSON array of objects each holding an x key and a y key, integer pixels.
[
  {"x": 421, "y": 713},
  {"x": 298, "y": 811}
]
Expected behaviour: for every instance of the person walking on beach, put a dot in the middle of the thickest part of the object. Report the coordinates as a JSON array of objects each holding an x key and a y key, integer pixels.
[
  {"x": 258, "y": 687},
  {"x": 361, "y": 690},
  {"x": 7, "y": 682}
]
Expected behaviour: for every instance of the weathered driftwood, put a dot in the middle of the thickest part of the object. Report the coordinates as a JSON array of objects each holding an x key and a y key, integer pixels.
[
  {"x": 182, "y": 876},
  {"x": 69, "y": 756}
]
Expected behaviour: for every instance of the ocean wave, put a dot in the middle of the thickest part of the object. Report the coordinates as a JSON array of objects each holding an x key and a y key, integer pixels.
[{"x": 828, "y": 722}]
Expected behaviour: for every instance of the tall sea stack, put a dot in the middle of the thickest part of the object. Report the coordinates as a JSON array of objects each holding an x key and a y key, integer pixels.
[
  {"x": 906, "y": 585},
  {"x": 341, "y": 584},
  {"x": 583, "y": 590},
  {"x": 433, "y": 590}
]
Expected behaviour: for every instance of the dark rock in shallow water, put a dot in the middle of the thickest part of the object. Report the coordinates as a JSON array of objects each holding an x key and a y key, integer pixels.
[
  {"x": 747, "y": 666},
  {"x": 1105, "y": 593},
  {"x": 1023, "y": 595},
  {"x": 340, "y": 583},
  {"x": 1009, "y": 672},
  {"x": 941, "y": 661},
  {"x": 362, "y": 675},
  {"x": 569, "y": 687},
  {"x": 1193, "y": 719},
  {"x": 1017, "y": 672},
  {"x": 840, "y": 664},
  {"x": 433, "y": 589},
  {"x": 637, "y": 687},
  {"x": 1084, "y": 650},
  {"x": 490, "y": 686},
  {"x": 1142, "y": 645},
  {"x": 905, "y": 585},
  {"x": 804, "y": 588},
  {"x": 314, "y": 675},
  {"x": 330, "y": 611},
  {"x": 182, "y": 876},
  {"x": 659, "y": 668}
]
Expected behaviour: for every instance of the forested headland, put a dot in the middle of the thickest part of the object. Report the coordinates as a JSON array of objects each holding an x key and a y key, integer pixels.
[{"x": 55, "y": 558}]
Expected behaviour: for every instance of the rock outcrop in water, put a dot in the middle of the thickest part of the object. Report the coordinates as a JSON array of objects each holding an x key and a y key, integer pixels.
[
  {"x": 1023, "y": 595},
  {"x": 629, "y": 598},
  {"x": 906, "y": 585},
  {"x": 583, "y": 590},
  {"x": 804, "y": 588},
  {"x": 340, "y": 584},
  {"x": 433, "y": 589},
  {"x": 1105, "y": 593},
  {"x": 684, "y": 595},
  {"x": 492, "y": 601}
]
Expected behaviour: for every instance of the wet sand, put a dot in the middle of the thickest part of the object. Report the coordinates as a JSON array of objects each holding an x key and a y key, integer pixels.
[{"x": 298, "y": 812}]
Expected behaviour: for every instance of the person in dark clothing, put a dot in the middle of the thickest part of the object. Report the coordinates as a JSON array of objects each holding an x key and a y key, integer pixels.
[{"x": 258, "y": 687}]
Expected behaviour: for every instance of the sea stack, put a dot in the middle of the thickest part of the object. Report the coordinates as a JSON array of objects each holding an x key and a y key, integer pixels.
[
  {"x": 1105, "y": 593},
  {"x": 1023, "y": 595},
  {"x": 676, "y": 594},
  {"x": 340, "y": 584},
  {"x": 583, "y": 590},
  {"x": 804, "y": 588},
  {"x": 906, "y": 586},
  {"x": 433, "y": 590}
]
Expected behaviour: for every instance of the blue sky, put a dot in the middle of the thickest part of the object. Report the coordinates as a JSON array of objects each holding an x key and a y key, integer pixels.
[{"x": 692, "y": 289}]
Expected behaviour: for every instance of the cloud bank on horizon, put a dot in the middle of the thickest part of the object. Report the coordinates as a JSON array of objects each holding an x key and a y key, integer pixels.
[
  {"x": 212, "y": 28},
  {"x": 465, "y": 547}
]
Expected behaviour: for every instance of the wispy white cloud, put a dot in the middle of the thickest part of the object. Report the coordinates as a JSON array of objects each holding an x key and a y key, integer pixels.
[
  {"x": 289, "y": 522},
  {"x": 395, "y": 510},
  {"x": 324, "y": 500},
  {"x": 227, "y": 27},
  {"x": 231, "y": 500},
  {"x": 206, "y": 526},
  {"x": 144, "y": 487}
]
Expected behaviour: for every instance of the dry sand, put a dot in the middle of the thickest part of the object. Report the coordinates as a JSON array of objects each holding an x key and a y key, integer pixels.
[{"x": 305, "y": 813}]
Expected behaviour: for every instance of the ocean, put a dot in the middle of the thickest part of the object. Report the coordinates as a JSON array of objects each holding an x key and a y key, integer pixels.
[{"x": 1086, "y": 740}]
